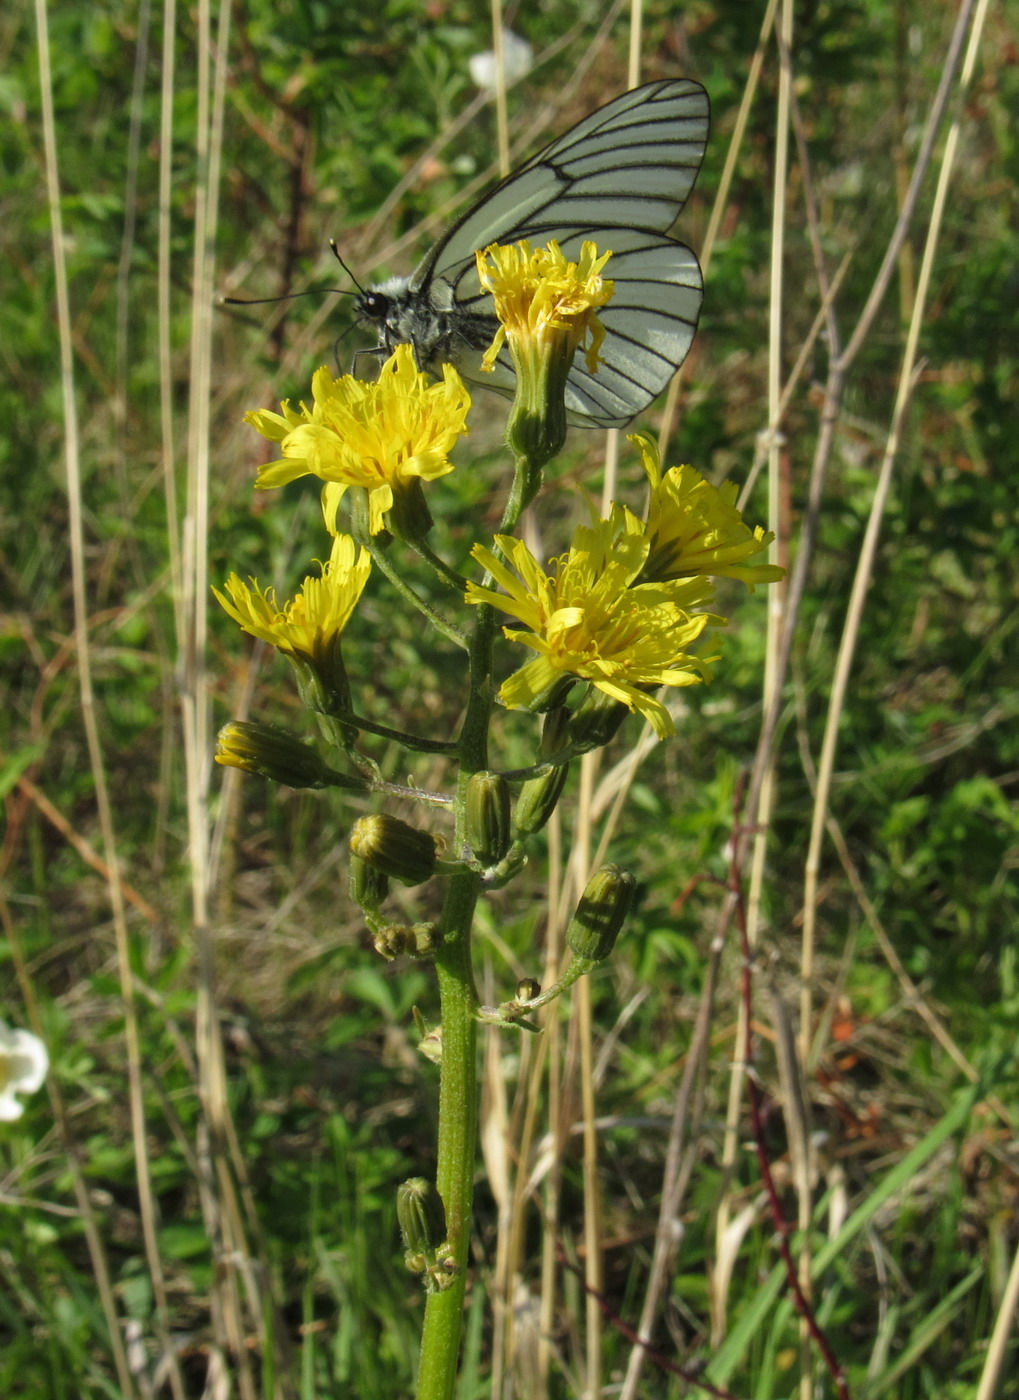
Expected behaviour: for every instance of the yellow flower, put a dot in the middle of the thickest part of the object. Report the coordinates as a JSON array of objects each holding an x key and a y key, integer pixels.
[
  {"x": 385, "y": 436},
  {"x": 308, "y": 628},
  {"x": 590, "y": 618},
  {"x": 544, "y": 301},
  {"x": 695, "y": 528},
  {"x": 547, "y": 307}
]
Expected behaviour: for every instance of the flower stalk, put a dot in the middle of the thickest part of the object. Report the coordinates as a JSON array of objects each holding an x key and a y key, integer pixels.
[{"x": 457, "y": 1135}]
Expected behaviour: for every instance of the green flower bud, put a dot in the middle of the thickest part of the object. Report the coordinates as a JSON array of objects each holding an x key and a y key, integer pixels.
[
  {"x": 601, "y": 913},
  {"x": 596, "y": 720},
  {"x": 407, "y": 940},
  {"x": 368, "y": 886},
  {"x": 275, "y": 753},
  {"x": 488, "y": 817},
  {"x": 422, "y": 1220},
  {"x": 528, "y": 988},
  {"x": 537, "y": 800},
  {"x": 398, "y": 850}
]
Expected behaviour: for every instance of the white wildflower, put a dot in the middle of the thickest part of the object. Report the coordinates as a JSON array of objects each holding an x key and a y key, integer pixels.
[
  {"x": 517, "y": 59},
  {"x": 24, "y": 1061}
]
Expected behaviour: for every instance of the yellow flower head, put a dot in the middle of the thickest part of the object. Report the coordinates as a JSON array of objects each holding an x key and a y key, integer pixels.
[
  {"x": 309, "y": 626},
  {"x": 543, "y": 301},
  {"x": 589, "y": 617},
  {"x": 694, "y": 527},
  {"x": 385, "y": 436},
  {"x": 547, "y": 307}
]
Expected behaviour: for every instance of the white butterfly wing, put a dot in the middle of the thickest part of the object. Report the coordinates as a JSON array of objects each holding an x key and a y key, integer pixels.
[
  {"x": 619, "y": 177},
  {"x": 630, "y": 165}
]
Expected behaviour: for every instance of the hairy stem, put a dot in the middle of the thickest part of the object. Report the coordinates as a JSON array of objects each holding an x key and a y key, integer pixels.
[{"x": 458, "y": 1095}]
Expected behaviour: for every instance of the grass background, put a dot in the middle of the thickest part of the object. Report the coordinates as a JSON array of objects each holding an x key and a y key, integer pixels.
[{"x": 205, "y": 1204}]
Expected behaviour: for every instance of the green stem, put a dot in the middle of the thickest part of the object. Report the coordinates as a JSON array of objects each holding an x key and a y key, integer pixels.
[
  {"x": 441, "y": 624},
  {"x": 526, "y": 480},
  {"x": 458, "y": 1115},
  {"x": 458, "y": 998},
  {"x": 448, "y": 575},
  {"x": 409, "y": 741}
]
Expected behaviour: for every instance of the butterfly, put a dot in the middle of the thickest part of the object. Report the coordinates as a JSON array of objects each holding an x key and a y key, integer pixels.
[{"x": 619, "y": 178}]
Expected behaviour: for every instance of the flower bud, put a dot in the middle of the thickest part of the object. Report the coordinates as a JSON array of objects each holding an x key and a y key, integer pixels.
[
  {"x": 537, "y": 800},
  {"x": 536, "y": 430},
  {"x": 601, "y": 913},
  {"x": 274, "y": 753},
  {"x": 407, "y": 940},
  {"x": 422, "y": 1220},
  {"x": 528, "y": 988},
  {"x": 488, "y": 817},
  {"x": 368, "y": 886},
  {"x": 398, "y": 850},
  {"x": 596, "y": 720}
]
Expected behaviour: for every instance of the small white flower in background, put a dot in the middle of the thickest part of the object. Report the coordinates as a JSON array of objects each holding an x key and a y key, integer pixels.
[
  {"x": 24, "y": 1061},
  {"x": 517, "y": 59}
]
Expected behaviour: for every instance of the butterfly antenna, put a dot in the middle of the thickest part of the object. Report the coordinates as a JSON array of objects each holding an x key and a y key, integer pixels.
[
  {"x": 290, "y": 296},
  {"x": 339, "y": 259}
]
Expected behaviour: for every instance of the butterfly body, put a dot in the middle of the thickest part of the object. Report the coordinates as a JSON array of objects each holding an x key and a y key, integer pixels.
[
  {"x": 440, "y": 331},
  {"x": 619, "y": 178}
]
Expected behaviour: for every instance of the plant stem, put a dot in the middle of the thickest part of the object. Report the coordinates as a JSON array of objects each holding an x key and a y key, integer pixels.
[
  {"x": 458, "y": 1095},
  {"x": 381, "y": 561},
  {"x": 459, "y": 1002},
  {"x": 458, "y": 1086}
]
